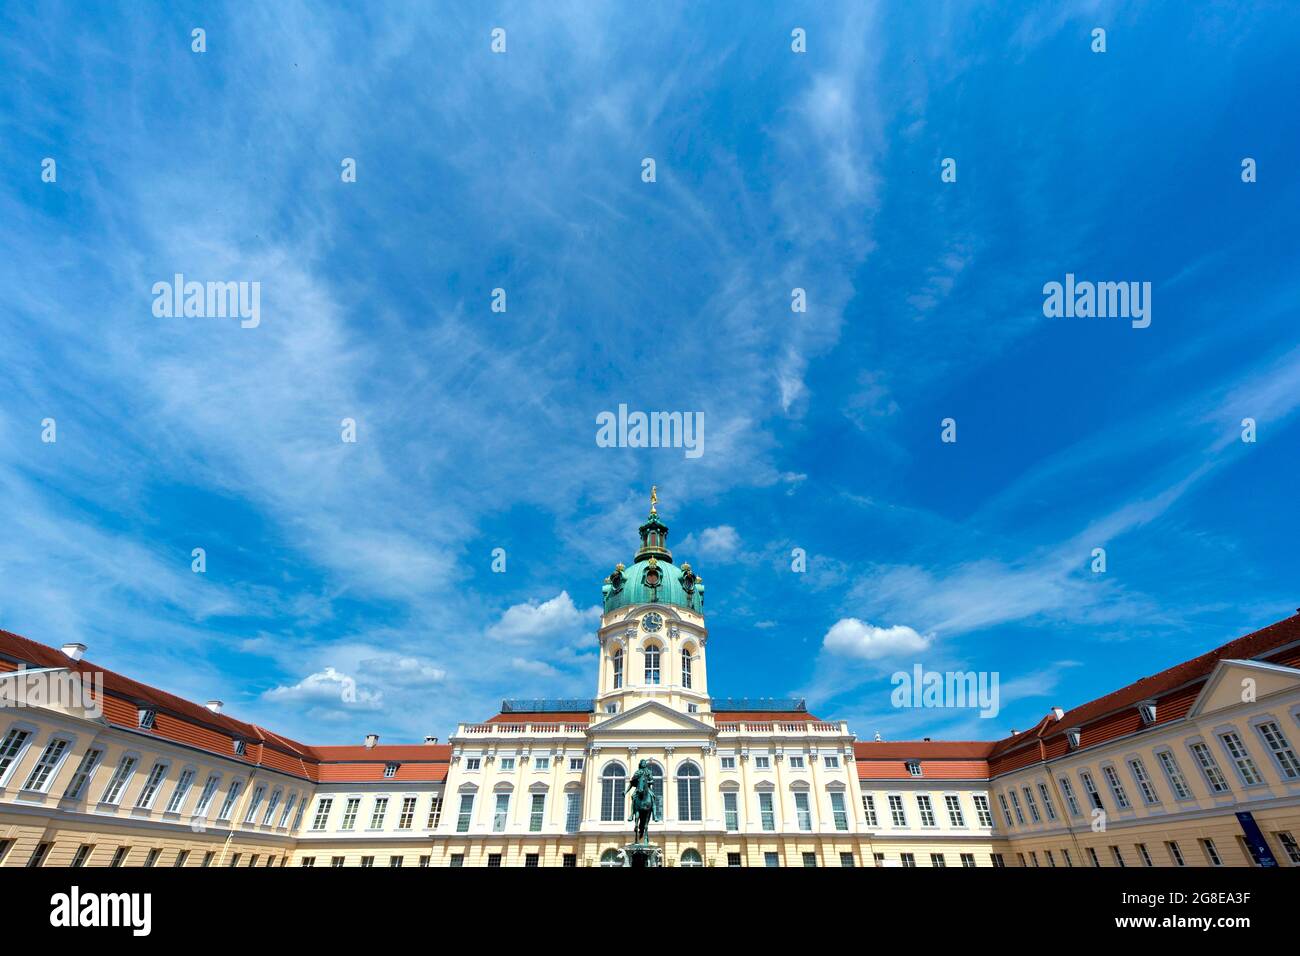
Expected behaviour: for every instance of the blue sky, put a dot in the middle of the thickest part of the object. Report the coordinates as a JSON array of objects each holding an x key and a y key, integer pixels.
[{"x": 370, "y": 562}]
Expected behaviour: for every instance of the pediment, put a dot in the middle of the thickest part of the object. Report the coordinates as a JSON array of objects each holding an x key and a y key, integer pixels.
[
  {"x": 1234, "y": 682},
  {"x": 650, "y": 718}
]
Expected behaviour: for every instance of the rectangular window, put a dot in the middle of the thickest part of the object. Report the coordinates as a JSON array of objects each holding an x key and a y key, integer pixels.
[
  {"x": 998, "y": 860},
  {"x": 838, "y": 811},
  {"x": 231, "y": 797},
  {"x": 572, "y": 811},
  {"x": 771, "y": 859},
  {"x": 1047, "y": 801},
  {"x": 801, "y": 810},
  {"x": 50, "y": 758},
  {"x": 896, "y": 812},
  {"x": 982, "y": 810},
  {"x": 435, "y": 813},
  {"x": 968, "y": 860},
  {"x": 457, "y": 860},
  {"x": 1015, "y": 805},
  {"x": 869, "y": 810},
  {"x": 926, "y": 808},
  {"x": 1090, "y": 789},
  {"x": 531, "y": 861},
  {"x": 765, "y": 811},
  {"x": 1143, "y": 780},
  {"x": 575, "y": 764},
  {"x": 1068, "y": 791},
  {"x": 1289, "y": 846},
  {"x": 89, "y": 762},
  {"x": 810, "y": 859},
  {"x": 536, "y": 813},
  {"x": 395, "y": 860},
  {"x": 38, "y": 856},
  {"x": 407, "y": 816},
  {"x": 955, "y": 816},
  {"x": 145, "y": 717},
  {"x": 796, "y": 763},
  {"x": 150, "y": 788},
  {"x": 1177, "y": 782},
  {"x": 1146, "y": 857},
  {"x": 1116, "y": 787},
  {"x": 1006, "y": 809},
  {"x": 494, "y": 860},
  {"x": 152, "y": 859},
  {"x": 322, "y": 813},
  {"x": 762, "y": 762},
  {"x": 288, "y": 809},
  {"x": 1093, "y": 858},
  {"x": 182, "y": 790},
  {"x": 306, "y": 861},
  {"x": 541, "y": 763},
  {"x": 570, "y": 861},
  {"x": 1210, "y": 767},
  {"x": 255, "y": 804},
  {"x": 271, "y": 807},
  {"x": 424, "y": 861},
  {"x": 733, "y": 860},
  {"x": 1241, "y": 758},
  {"x": 1211, "y": 852},
  {"x": 10, "y": 748},
  {"x": 1119, "y": 857},
  {"x": 378, "y": 813},
  {"x": 1032, "y": 805},
  {"x": 82, "y": 854},
  {"x": 728, "y": 763},
  {"x": 367, "y": 861},
  {"x": 473, "y": 763},
  {"x": 205, "y": 798},
  {"x": 1175, "y": 854},
  {"x": 507, "y": 764},
  {"x": 390, "y": 771},
  {"x": 501, "y": 813},
  {"x": 907, "y": 859},
  {"x": 831, "y": 761},
  {"x": 207, "y": 858},
  {"x": 463, "y": 814},
  {"x": 937, "y": 859},
  {"x": 119, "y": 856},
  {"x": 730, "y": 811},
  {"x": 116, "y": 783},
  {"x": 1277, "y": 744},
  {"x": 181, "y": 857},
  {"x": 336, "y": 861}
]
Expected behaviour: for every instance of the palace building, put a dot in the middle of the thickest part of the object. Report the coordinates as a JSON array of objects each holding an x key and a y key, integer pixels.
[{"x": 1194, "y": 766}]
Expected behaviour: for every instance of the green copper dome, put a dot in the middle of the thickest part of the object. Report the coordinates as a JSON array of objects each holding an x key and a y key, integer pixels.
[{"x": 654, "y": 579}]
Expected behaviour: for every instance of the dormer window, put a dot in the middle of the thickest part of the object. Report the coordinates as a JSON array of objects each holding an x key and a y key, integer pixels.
[
  {"x": 390, "y": 770},
  {"x": 1073, "y": 736},
  {"x": 914, "y": 768},
  {"x": 146, "y": 716},
  {"x": 239, "y": 747},
  {"x": 1148, "y": 711}
]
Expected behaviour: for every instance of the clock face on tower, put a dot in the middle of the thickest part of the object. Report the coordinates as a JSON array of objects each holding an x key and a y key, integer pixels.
[{"x": 652, "y": 622}]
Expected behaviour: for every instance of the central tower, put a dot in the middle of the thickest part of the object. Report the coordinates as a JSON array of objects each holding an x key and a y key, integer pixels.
[{"x": 652, "y": 634}]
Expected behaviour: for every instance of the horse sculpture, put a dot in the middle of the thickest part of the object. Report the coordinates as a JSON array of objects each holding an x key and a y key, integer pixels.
[{"x": 645, "y": 802}]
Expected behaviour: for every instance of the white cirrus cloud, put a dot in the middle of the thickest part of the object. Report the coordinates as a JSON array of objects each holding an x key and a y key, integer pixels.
[{"x": 850, "y": 637}]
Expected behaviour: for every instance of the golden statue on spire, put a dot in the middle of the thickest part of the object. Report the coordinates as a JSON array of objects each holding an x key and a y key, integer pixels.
[{"x": 654, "y": 498}]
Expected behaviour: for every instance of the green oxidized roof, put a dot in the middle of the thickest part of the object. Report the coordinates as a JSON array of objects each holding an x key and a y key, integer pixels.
[{"x": 637, "y": 585}]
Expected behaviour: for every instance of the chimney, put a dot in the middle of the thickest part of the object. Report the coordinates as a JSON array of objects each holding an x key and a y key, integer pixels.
[
  {"x": 75, "y": 650},
  {"x": 1057, "y": 713},
  {"x": 430, "y": 740},
  {"x": 371, "y": 740},
  {"x": 926, "y": 739},
  {"x": 214, "y": 706},
  {"x": 1013, "y": 731}
]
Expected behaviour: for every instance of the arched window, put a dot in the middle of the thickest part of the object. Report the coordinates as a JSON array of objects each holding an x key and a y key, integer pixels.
[
  {"x": 618, "y": 668},
  {"x": 686, "y": 667},
  {"x": 691, "y": 858},
  {"x": 610, "y": 858},
  {"x": 688, "y": 792},
  {"x": 613, "y": 785},
  {"x": 657, "y": 781},
  {"x": 652, "y": 664}
]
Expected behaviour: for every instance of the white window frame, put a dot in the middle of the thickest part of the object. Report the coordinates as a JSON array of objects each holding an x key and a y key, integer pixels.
[
  {"x": 48, "y": 765},
  {"x": 184, "y": 782},
  {"x": 121, "y": 778}
]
